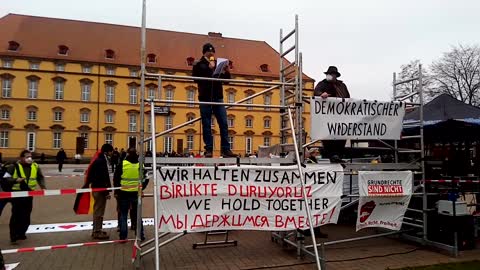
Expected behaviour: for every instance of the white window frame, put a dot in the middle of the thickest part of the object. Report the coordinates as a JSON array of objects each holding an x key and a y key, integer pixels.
[
  {"x": 110, "y": 94},
  {"x": 84, "y": 117},
  {"x": 168, "y": 144},
  {"x": 5, "y": 114},
  {"x": 31, "y": 141},
  {"x": 58, "y": 116},
  {"x": 109, "y": 138},
  {"x": 191, "y": 97},
  {"x": 57, "y": 140},
  {"x": 31, "y": 113},
  {"x": 248, "y": 144},
  {"x": 86, "y": 90},
  {"x": 60, "y": 67},
  {"x": 132, "y": 122},
  {"x": 34, "y": 65},
  {"x": 7, "y": 88},
  {"x": 87, "y": 69},
  {"x": 169, "y": 95},
  {"x": 4, "y": 138},
  {"x": 267, "y": 101},
  {"x": 59, "y": 90},
  {"x": 249, "y": 122},
  {"x": 110, "y": 71},
  {"x": 7, "y": 63},
  {"x": 168, "y": 122},
  {"x": 231, "y": 141},
  {"x": 250, "y": 101},
  {"x": 133, "y": 73},
  {"x": 190, "y": 142},
  {"x": 230, "y": 122},
  {"x": 231, "y": 97},
  {"x": 85, "y": 136},
  {"x": 33, "y": 89},
  {"x": 151, "y": 92},
  {"x": 132, "y": 93},
  {"x": 267, "y": 141},
  {"x": 109, "y": 115},
  {"x": 189, "y": 118},
  {"x": 267, "y": 123}
]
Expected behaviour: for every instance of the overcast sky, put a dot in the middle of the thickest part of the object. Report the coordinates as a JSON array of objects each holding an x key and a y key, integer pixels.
[{"x": 367, "y": 40}]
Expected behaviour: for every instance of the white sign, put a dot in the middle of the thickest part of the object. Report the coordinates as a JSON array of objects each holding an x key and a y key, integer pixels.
[
  {"x": 337, "y": 118},
  {"x": 78, "y": 226},
  {"x": 384, "y": 198},
  {"x": 247, "y": 197}
]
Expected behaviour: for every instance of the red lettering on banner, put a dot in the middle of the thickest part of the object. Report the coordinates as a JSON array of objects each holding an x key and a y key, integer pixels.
[
  {"x": 175, "y": 190},
  {"x": 174, "y": 220},
  {"x": 385, "y": 189},
  {"x": 228, "y": 221}
]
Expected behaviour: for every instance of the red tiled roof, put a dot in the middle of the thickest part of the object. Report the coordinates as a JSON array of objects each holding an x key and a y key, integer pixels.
[{"x": 87, "y": 41}]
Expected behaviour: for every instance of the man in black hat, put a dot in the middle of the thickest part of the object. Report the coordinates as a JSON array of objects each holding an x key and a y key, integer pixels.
[
  {"x": 332, "y": 87},
  {"x": 212, "y": 91}
]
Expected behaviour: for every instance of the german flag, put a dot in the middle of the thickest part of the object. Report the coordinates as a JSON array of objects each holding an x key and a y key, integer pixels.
[{"x": 84, "y": 201}]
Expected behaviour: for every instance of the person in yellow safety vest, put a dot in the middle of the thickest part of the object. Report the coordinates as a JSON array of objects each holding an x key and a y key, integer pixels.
[
  {"x": 126, "y": 176},
  {"x": 26, "y": 175}
]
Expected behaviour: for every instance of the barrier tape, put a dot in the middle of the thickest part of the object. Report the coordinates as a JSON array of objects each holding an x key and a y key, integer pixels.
[
  {"x": 54, "y": 192},
  {"x": 452, "y": 181},
  {"x": 63, "y": 176},
  {"x": 87, "y": 244}
]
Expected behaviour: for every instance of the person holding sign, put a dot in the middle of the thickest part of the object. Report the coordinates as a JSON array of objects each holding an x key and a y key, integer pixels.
[
  {"x": 332, "y": 87},
  {"x": 212, "y": 91}
]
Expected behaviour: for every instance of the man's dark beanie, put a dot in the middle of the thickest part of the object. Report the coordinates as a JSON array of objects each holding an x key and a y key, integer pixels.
[
  {"x": 107, "y": 148},
  {"x": 208, "y": 48}
]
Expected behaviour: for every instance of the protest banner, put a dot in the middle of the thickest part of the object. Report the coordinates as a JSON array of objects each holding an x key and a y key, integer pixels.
[
  {"x": 197, "y": 199},
  {"x": 384, "y": 198},
  {"x": 337, "y": 118}
]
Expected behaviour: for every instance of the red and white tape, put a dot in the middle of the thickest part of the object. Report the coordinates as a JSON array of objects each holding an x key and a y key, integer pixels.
[
  {"x": 63, "y": 176},
  {"x": 452, "y": 181},
  {"x": 87, "y": 244},
  {"x": 51, "y": 192}
]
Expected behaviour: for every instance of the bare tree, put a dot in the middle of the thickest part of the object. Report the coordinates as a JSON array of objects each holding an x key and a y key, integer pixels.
[
  {"x": 409, "y": 71},
  {"x": 458, "y": 73}
]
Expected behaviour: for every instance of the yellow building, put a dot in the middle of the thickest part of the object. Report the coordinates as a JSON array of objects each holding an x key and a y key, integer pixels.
[{"x": 63, "y": 79}]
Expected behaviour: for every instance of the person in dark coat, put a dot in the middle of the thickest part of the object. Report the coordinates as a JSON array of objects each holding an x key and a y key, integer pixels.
[
  {"x": 61, "y": 157},
  {"x": 115, "y": 159},
  {"x": 98, "y": 177},
  {"x": 212, "y": 91},
  {"x": 332, "y": 87}
]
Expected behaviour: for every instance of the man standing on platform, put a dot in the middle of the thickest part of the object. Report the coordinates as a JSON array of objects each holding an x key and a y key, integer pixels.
[
  {"x": 212, "y": 91},
  {"x": 332, "y": 87},
  {"x": 98, "y": 177},
  {"x": 25, "y": 174}
]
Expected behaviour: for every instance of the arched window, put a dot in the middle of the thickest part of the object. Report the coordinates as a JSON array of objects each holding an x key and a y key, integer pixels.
[{"x": 110, "y": 54}]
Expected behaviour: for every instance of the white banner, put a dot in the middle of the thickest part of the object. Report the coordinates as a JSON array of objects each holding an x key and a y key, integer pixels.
[
  {"x": 337, "y": 118},
  {"x": 247, "y": 197},
  {"x": 384, "y": 198}
]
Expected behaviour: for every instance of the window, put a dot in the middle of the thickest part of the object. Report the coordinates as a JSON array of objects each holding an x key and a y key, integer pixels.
[
  {"x": 267, "y": 101},
  {"x": 13, "y": 45},
  {"x": 32, "y": 115},
  {"x": 133, "y": 73},
  {"x": 34, "y": 65},
  {"x": 250, "y": 101},
  {"x": 86, "y": 90},
  {"x": 151, "y": 58},
  {"x": 266, "y": 122},
  {"x": 230, "y": 122},
  {"x": 110, "y": 54},
  {"x": 62, "y": 50},
  {"x": 57, "y": 140},
  {"x": 109, "y": 138},
  {"x": 230, "y": 141},
  {"x": 191, "y": 97},
  {"x": 190, "y": 145},
  {"x": 110, "y": 71},
  {"x": 60, "y": 67},
  {"x": 59, "y": 85},
  {"x": 110, "y": 92},
  {"x": 7, "y": 63},
  {"x": 109, "y": 117},
  {"x": 151, "y": 92},
  {"x": 87, "y": 69},
  {"x": 3, "y": 139},
  {"x": 58, "y": 116},
  {"x": 5, "y": 114},
  {"x": 266, "y": 141},
  {"x": 133, "y": 94},
  {"x": 84, "y": 135},
  {"x": 168, "y": 122},
  {"x": 132, "y": 122},
  {"x": 248, "y": 145},
  {"x": 31, "y": 141},
  {"x": 264, "y": 67},
  {"x": 248, "y": 122},
  {"x": 231, "y": 97},
  {"x": 169, "y": 96},
  {"x": 85, "y": 116},
  {"x": 168, "y": 144},
  {"x": 190, "y": 118},
  {"x": 190, "y": 61},
  {"x": 7, "y": 88},
  {"x": 32, "y": 89}
]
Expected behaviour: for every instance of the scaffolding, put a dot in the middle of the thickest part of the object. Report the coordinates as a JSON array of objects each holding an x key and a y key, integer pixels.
[{"x": 290, "y": 108}]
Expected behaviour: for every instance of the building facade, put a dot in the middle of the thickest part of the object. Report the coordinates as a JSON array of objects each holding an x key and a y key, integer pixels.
[{"x": 62, "y": 80}]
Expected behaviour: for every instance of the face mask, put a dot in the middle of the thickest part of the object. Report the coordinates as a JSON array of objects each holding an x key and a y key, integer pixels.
[
  {"x": 329, "y": 77},
  {"x": 29, "y": 160}
]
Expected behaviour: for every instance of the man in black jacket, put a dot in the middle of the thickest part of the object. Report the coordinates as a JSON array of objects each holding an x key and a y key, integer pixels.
[
  {"x": 212, "y": 91},
  {"x": 332, "y": 87},
  {"x": 98, "y": 177}
]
